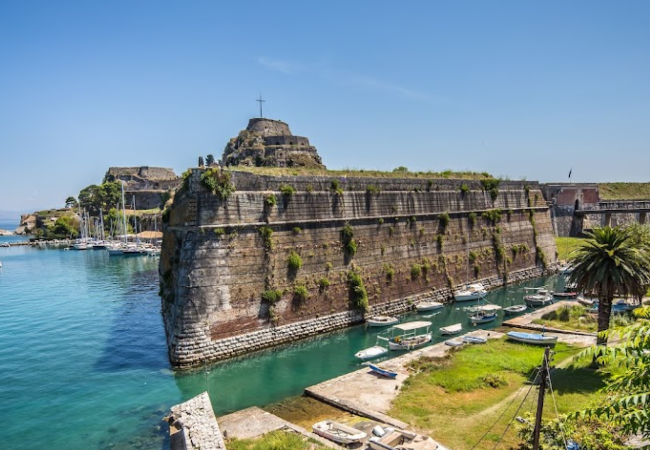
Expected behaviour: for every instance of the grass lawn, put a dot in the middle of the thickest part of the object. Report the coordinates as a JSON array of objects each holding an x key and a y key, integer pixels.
[
  {"x": 458, "y": 399},
  {"x": 574, "y": 317},
  {"x": 566, "y": 245},
  {"x": 276, "y": 440}
]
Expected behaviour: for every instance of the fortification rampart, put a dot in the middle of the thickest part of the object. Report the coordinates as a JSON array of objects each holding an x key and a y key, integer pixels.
[{"x": 413, "y": 238}]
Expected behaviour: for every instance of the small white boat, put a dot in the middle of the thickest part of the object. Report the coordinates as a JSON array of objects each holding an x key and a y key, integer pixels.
[
  {"x": 394, "y": 439},
  {"x": 542, "y": 297},
  {"x": 381, "y": 321},
  {"x": 474, "y": 339},
  {"x": 371, "y": 352},
  {"x": 474, "y": 291},
  {"x": 451, "y": 329},
  {"x": 454, "y": 342},
  {"x": 0, "y": 264},
  {"x": 407, "y": 336},
  {"x": 483, "y": 317},
  {"x": 532, "y": 338},
  {"x": 515, "y": 309},
  {"x": 428, "y": 306},
  {"x": 338, "y": 432}
]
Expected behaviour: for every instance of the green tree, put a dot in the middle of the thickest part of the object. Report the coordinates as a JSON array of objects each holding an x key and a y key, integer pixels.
[
  {"x": 71, "y": 202},
  {"x": 209, "y": 159},
  {"x": 628, "y": 393},
  {"x": 65, "y": 227},
  {"x": 610, "y": 261},
  {"x": 93, "y": 198}
]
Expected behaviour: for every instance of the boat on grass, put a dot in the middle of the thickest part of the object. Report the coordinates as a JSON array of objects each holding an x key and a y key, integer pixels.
[
  {"x": 515, "y": 309},
  {"x": 474, "y": 339},
  {"x": 532, "y": 338},
  {"x": 338, "y": 432},
  {"x": 371, "y": 352},
  {"x": 428, "y": 306},
  {"x": 474, "y": 291},
  {"x": 541, "y": 297},
  {"x": 451, "y": 329},
  {"x": 394, "y": 439},
  {"x": 381, "y": 321},
  {"x": 407, "y": 336},
  {"x": 383, "y": 372}
]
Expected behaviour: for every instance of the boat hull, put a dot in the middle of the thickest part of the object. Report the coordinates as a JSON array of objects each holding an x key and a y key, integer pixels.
[
  {"x": 338, "y": 433},
  {"x": 532, "y": 338},
  {"x": 451, "y": 329},
  {"x": 432, "y": 306},
  {"x": 410, "y": 343},
  {"x": 381, "y": 321},
  {"x": 485, "y": 318},
  {"x": 383, "y": 372},
  {"x": 370, "y": 353}
]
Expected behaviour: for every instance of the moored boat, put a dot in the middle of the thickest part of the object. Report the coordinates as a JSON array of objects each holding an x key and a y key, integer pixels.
[
  {"x": 428, "y": 306},
  {"x": 572, "y": 294},
  {"x": 483, "y": 317},
  {"x": 455, "y": 342},
  {"x": 541, "y": 297},
  {"x": 474, "y": 339},
  {"x": 407, "y": 336},
  {"x": 371, "y": 352},
  {"x": 394, "y": 439},
  {"x": 515, "y": 309},
  {"x": 338, "y": 432},
  {"x": 381, "y": 321},
  {"x": 451, "y": 329},
  {"x": 532, "y": 338},
  {"x": 474, "y": 291},
  {"x": 382, "y": 371}
]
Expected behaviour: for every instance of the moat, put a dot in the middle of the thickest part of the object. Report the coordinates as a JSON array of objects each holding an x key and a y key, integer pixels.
[{"x": 95, "y": 324}]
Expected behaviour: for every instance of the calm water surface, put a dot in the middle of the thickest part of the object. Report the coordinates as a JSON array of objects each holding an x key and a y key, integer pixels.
[{"x": 83, "y": 362}]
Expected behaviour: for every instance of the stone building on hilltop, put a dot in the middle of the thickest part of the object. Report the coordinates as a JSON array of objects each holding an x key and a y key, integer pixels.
[
  {"x": 267, "y": 142},
  {"x": 150, "y": 186}
]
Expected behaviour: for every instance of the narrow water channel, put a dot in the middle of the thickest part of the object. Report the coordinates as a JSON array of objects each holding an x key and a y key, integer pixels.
[{"x": 271, "y": 375}]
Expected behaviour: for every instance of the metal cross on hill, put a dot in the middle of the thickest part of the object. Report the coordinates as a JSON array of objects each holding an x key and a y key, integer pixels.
[{"x": 261, "y": 101}]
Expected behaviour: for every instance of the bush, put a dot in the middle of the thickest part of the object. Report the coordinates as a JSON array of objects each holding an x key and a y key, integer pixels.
[
  {"x": 294, "y": 262},
  {"x": 287, "y": 190},
  {"x": 300, "y": 292},
  {"x": 440, "y": 239},
  {"x": 381, "y": 221},
  {"x": 219, "y": 232},
  {"x": 297, "y": 230},
  {"x": 323, "y": 283},
  {"x": 390, "y": 273},
  {"x": 491, "y": 185},
  {"x": 472, "y": 218},
  {"x": 372, "y": 189},
  {"x": 444, "y": 220},
  {"x": 493, "y": 215},
  {"x": 270, "y": 200},
  {"x": 347, "y": 237},
  {"x": 267, "y": 237},
  {"x": 464, "y": 189},
  {"x": 358, "y": 293},
  {"x": 416, "y": 271},
  {"x": 271, "y": 296},
  {"x": 218, "y": 182}
]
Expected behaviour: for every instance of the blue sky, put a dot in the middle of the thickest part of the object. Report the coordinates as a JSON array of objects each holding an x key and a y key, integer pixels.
[{"x": 517, "y": 89}]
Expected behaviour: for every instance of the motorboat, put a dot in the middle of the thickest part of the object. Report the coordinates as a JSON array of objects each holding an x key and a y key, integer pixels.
[
  {"x": 451, "y": 329},
  {"x": 515, "y": 309},
  {"x": 407, "y": 336},
  {"x": 428, "y": 306},
  {"x": 532, "y": 338},
  {"x": 371, "y": 352},
  {"x": 382, "y": 371},
  {"x": 381, "y": 321},
  {"x": 394, "y": 439},
  {"x": 474, "y": 291},
  {"x": 480, "y": 317},
  {"x": 338, "y": 432},
  {"x": 474, "y": 339},
  {"x": 541, "y": 297}
]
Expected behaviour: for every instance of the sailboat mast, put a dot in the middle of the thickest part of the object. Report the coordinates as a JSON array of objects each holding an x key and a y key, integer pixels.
[{"x": 123, "y": 212}]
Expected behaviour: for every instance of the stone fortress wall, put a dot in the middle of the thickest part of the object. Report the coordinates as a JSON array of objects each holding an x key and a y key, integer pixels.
[{"x": 415, "y": 238}]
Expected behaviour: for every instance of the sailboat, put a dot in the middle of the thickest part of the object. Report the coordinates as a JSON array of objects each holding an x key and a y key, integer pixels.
[
  {"x": 117, "y": 249},
  {"x": 137, "y": 249}
]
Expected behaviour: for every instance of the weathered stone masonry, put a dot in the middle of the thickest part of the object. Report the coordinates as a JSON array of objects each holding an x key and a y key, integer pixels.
[{"x": 216, "y": 262}]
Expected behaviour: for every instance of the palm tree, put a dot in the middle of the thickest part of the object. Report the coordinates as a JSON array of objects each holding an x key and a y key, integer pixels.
[{"x": 610, "y": 262}]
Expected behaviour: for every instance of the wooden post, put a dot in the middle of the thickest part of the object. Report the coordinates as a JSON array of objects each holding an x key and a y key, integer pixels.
[{"x": 543, "y": 373}]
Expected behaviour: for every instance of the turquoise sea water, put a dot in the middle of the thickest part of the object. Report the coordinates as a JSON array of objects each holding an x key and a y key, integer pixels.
[{"x": 83, "y": 362}]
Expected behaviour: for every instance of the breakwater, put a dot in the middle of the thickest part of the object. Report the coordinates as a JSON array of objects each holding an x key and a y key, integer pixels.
[{"x": 287, "y": 257}]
